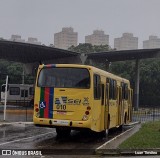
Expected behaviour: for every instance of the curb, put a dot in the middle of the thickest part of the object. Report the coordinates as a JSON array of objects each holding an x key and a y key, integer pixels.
[
  {"x": 100, "y": 147},
  {"x": 14, "y": 123},
  {"x": 102, "y": 151},
  {"x": 132, "y": 123}
]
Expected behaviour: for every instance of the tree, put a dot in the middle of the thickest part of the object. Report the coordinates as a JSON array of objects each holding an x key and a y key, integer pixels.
[
  {"x": 14, "y": 70},
  {"x": 149, "y": 79},
  {"x": 89, "y": 48}
]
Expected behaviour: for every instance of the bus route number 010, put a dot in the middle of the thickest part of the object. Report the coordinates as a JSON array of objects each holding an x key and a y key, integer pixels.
[{"x": 61, "y": 107}]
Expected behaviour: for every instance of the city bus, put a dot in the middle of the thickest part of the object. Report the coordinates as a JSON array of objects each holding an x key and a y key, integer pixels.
[
  {"x": 18, "y": 94},
  {"x": 70, "y": 96}
]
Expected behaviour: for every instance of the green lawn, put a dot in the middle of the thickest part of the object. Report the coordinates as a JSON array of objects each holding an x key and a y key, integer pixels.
[{"x": 147, "y": 137}]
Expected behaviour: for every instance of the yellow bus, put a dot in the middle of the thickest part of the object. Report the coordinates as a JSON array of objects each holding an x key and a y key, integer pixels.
[{"x": 70, "y": 96}]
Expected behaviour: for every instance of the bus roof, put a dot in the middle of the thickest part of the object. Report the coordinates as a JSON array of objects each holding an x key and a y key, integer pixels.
[{"x": 94, "y": 69}]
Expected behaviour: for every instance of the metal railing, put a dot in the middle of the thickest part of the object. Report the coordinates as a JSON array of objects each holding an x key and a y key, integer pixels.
[
  {"x": 146, "y": 114},
  {"x": 17, "y": 113},
  {"x": 24, "y": 112}
]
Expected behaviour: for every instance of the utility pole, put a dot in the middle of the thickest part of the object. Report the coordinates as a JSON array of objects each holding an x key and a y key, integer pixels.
[{"x": 5, "y": 101}]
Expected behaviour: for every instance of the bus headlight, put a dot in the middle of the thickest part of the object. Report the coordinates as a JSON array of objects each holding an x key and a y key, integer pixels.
[{"x": 85, "y": 117}]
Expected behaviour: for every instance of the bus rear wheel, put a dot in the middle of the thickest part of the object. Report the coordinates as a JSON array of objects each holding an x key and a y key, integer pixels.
[{"x": 63, "y": 131}]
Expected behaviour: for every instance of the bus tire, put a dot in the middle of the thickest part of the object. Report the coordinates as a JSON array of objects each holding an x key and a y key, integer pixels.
[
  {"x": 63, "y": 131},
  {"x": 108, "y": 122}
]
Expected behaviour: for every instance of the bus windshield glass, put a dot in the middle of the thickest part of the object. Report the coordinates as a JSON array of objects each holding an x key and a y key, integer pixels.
[{"x": 64, "y": 78}]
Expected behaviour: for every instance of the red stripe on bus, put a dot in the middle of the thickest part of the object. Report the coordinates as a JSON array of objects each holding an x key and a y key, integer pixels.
[
  {"x": 50, "y": 65},
  {"x": 46, "y": 98}
]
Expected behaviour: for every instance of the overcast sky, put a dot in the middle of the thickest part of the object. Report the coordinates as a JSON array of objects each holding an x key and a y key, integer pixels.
[{"x": 43, "y": 18}]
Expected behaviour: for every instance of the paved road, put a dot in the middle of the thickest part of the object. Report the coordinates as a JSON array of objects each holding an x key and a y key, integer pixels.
[
  {"x": 29, "y": 137},
  {"x": 22, "y": 137}
]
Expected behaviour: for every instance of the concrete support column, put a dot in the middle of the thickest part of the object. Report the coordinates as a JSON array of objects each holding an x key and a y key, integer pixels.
[
  {"x": 91, "y": 62},
  {"x": 83, "y": 58},
  {"x": 136, "y": 88}
]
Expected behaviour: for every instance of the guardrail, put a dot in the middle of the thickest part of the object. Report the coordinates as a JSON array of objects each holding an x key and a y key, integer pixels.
[
  {"x": 146, "y": 114},
  {"x": 16, "y": 113},
  {"x": 24, "y": 112}
]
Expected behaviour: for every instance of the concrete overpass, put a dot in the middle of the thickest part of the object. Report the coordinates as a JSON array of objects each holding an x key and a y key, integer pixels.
[{"x": 31, "y": 54}]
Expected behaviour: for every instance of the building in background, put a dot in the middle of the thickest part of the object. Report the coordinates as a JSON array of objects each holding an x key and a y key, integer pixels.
[
  {"x": 66, "y": 38},
  {"x": 97, "y": 38},
  {"x": 33, "y": 41},
  {"x": 126, "y": 42},
  {"x": 16, "y": 38},
  {"x": 153, "y": 42}
]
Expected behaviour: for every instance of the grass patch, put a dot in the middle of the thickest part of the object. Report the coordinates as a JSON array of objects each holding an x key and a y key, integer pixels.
[{"x": 147, "y": 137}]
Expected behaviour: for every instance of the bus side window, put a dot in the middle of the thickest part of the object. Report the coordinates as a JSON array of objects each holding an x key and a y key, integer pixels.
[
  {"x": 102, "y": 102},
  {"x": 107, "y": 88},
  {"x": 112, "y": 89},
  {"x": 124, "y": 91},
  {"x": 97, "y": 88}
]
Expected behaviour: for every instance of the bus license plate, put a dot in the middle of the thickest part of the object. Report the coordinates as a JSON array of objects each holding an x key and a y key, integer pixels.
[{"x": 61, "y": 122}]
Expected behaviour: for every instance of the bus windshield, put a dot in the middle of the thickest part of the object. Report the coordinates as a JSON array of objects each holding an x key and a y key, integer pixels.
[{"x": 64, "y": 78}]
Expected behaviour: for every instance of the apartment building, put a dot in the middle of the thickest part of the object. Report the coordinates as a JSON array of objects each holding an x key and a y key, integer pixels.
[
  {"x": 33, "y": 41},
  {"x": 97, "y": 38},
  {"x": 66, "y": 38},
  {"x": 126, "y": 42},
  {"x": 16, "y": 38},
  {"x": 153, "y": 42}
]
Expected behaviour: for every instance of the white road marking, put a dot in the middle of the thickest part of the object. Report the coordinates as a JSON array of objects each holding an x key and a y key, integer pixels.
[{"x": 25, "y": 138}]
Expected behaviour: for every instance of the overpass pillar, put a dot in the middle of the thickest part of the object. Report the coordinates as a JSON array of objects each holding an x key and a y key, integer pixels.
[
  {"x": 83, "y": 58},
  {"x": 136, "y": 88}
]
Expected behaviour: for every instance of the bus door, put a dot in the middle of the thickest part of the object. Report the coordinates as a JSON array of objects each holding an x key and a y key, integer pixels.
[
  {"x": 96, "y": 110},
  {"x": 120, "y": 108},
  {"x": 106, "y": 109},
  {"x": 130, "y": 92},
  {"x": 123, "y": 103}
]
